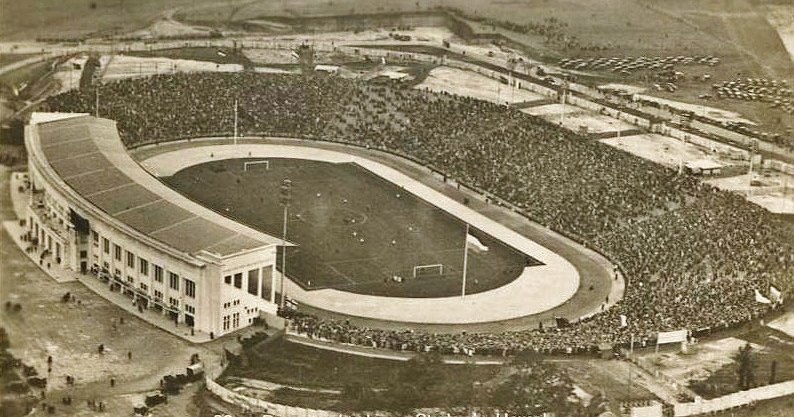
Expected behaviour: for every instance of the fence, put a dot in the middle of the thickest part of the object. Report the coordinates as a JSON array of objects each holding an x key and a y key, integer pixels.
[{"x": 735, "y": 400}]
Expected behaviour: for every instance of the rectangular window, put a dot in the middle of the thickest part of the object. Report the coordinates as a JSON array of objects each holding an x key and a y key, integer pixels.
[
  {"x": 130, "y": 260},
  {"x": 158, "y": 295},
  {"x": 190, "y": 309},
  {"x": 95, "y": 235},
  {"x": 173, "y": 281},
  {"x": 158, "y": 273},
  {"x": 238, "y": 280},
  {"x": 143, "y": 266},
  {"x": 129, "y": 279},
  {"x": 173, "y": 301},
  {"x": 267, "y": 277},
  {"x": 236, "y": 320},
  {"x": 190, "y": 288},
  {"x": 117, "y": 252},
  {"x": 144, "y": 287},
  {"x": 228, "y": 279},
  {"x": 253, "y": 281},
  {"x": 83, "y": 254},
  {"x": 226, "y": 322},
  {"x": 106, "y": 245}
]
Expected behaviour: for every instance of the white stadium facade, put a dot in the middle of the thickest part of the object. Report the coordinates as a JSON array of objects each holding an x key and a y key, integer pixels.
[{"x": 95, "y": 211}]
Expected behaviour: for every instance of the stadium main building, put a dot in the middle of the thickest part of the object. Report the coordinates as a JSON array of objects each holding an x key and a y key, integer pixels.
[{"x": 95, "y": 211}]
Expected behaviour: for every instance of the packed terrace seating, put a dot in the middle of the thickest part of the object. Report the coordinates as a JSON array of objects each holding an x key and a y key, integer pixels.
[{"x": 693, "y": 255}]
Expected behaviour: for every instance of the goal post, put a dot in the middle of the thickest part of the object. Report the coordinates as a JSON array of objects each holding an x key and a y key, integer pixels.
[
  {"x": 419, "y": 269},
  {"x": 249, "y": 164}
]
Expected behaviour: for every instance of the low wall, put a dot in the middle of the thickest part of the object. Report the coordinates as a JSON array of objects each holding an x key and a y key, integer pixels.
[
  {"x": 261, "y": 406},
  {"x": 735, "y": 400}
]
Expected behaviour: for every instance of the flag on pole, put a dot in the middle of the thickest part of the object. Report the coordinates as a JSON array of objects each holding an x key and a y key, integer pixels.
[
  {"x": 775, "y": 295},
  {"x": 473, "y": 243},
  {"x": 761, "y": 299}
]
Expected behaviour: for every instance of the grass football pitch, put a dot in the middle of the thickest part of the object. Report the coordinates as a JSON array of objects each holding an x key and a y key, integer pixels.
[{"x": 355, "y": 231}]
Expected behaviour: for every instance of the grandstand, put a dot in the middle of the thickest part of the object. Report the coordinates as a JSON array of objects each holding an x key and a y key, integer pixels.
[
  {"x": 93, "y": 210},
  {"x": 656, "y": 224}
]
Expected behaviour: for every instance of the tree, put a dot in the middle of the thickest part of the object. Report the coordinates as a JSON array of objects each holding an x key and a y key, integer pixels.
[
  {"x": 416, "y": 383},
  {"x": 746, "y": 364},
  {"x": 359, "y": 396},
  {"x": 534, "y": 388}
]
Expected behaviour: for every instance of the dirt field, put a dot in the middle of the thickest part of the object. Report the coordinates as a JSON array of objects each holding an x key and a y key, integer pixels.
[
  {"x": 671, "y": 152},
  {"x": 718, "y": 114},
  {"x": 775, "y": 192},
  {"x": 470, "y": 84},
  {"x": 705, "y": 358},
  {"x": 576, "y": 117},
  {"x": 121, "y": 66}
]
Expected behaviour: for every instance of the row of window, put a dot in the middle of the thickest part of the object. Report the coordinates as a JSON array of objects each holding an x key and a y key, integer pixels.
[
  {"x": 231, "y": 321},
  {"x": 253, "y": 283},
  {"x": 143, "y": 267}
]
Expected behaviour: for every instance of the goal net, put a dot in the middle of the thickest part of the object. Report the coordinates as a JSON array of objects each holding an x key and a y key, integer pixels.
[
  {"x": 251, "y": 165},
  {"x": 433, "y": 270}
]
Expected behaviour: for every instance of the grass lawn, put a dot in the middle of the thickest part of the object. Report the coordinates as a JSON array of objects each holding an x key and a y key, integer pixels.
[
  {"x": 26, "y": 74},
  {"x": 7, "y": 59},
  {"x": 295, "y": 365},
  {"x": 354, "y": 230}
]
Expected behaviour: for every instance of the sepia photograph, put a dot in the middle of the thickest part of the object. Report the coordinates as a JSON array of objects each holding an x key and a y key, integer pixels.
[{"x": 396, "y": 208}]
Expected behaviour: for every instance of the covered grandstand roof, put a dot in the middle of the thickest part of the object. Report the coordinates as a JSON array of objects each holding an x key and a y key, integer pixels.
[{"x": 87, "y": 154}]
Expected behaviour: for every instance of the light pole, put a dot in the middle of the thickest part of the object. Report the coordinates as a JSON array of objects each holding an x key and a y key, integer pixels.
[{"x": 285, "y": 197}]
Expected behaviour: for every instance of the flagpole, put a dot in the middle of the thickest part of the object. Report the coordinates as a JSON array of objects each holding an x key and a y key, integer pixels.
[
  {"x": 465, "y": 261},
  {"x": 235, "y": 121}
]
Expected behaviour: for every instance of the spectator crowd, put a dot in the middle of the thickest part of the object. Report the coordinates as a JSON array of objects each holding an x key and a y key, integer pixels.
[{"x": 693, "y": 255}]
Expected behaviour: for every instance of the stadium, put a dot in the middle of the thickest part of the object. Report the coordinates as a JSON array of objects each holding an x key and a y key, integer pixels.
[
  {"x": 350, "y": 208},
  {"x": 372, "y": 244},
  {"x": 393, "y": 263}
]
